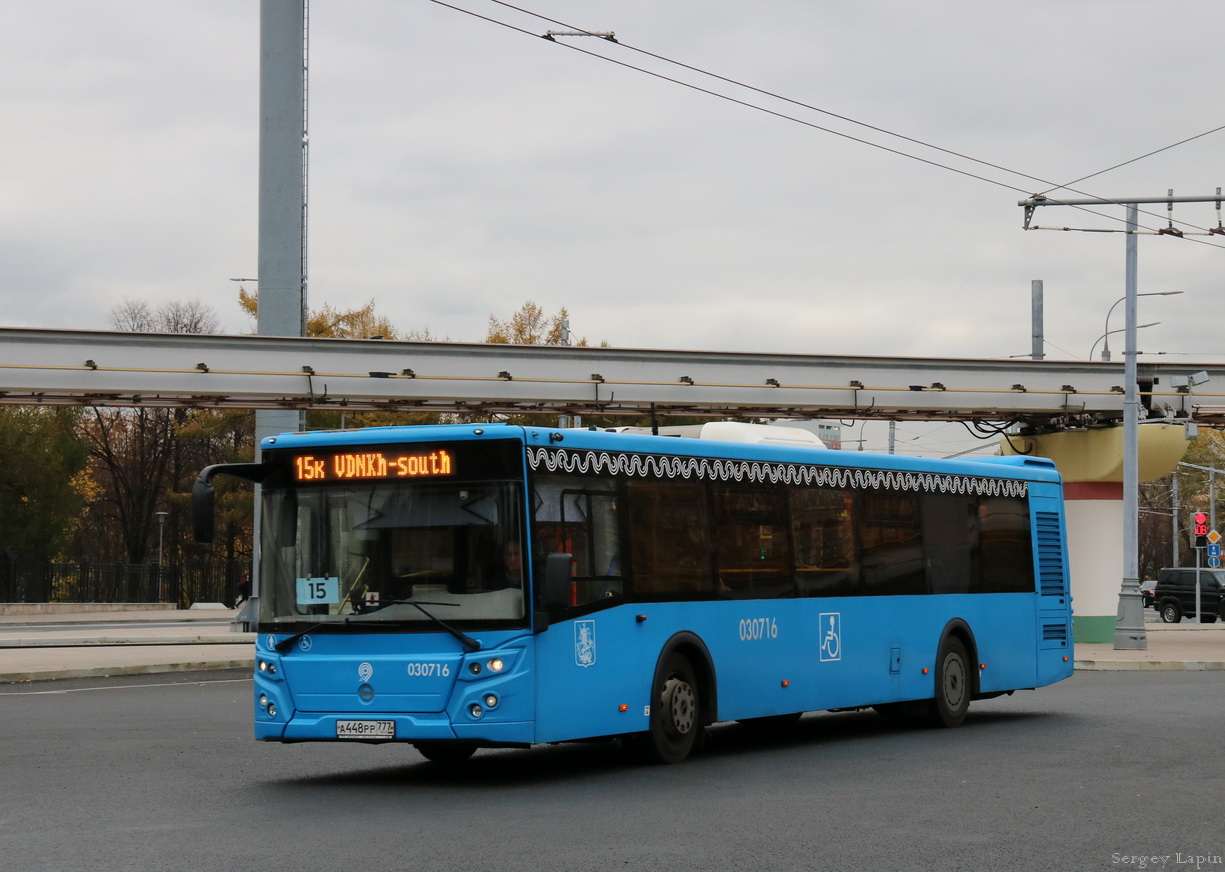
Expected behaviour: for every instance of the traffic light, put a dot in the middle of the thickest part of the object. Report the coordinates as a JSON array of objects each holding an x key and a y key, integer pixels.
[{"x": 1199, "y": 529}]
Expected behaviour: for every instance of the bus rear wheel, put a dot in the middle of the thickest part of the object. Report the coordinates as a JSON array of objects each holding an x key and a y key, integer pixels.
[
  {"x": 676, "y": 713},
  {"x": 953, "y": 684}
]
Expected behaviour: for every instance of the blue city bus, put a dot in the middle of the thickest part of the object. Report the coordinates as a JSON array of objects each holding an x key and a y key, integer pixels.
[{"x": 458, "y": 587}]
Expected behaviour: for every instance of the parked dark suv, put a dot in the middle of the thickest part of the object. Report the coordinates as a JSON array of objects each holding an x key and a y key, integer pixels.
[{"x": 1174, "y": 595}]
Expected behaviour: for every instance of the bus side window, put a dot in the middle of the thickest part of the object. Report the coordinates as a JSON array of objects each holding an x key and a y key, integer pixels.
[
  {"x": 753, "y": 543},
  {"x": 594, "y": 536},
  {"x": 1007, "y": 548},
  {"x": 950, "y": 540},
  {"x": 670, "y": 549},
  {"x": 823, "y": 532},
  {"x": 891, "y": 534},
  {"x": 579, "y": 517}
]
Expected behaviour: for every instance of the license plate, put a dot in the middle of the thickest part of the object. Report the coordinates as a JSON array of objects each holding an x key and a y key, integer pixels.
[{"x": 365, "y": 729}]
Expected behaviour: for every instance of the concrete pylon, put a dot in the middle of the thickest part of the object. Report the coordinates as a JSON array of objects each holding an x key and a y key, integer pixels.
[{"x": 1091, "y": 463}]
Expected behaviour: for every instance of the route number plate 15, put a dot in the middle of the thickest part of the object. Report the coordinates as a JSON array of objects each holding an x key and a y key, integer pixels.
[{"x": 365, "y": 729}]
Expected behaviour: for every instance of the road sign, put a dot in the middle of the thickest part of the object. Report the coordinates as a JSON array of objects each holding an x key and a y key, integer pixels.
[
  {"x": 1214, "y": 563},
  {"x": 1214, "y": 550}
]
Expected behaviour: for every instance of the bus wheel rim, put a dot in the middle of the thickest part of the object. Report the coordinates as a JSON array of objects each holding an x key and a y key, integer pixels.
[
  {"x": 680, "y": 704},
  {"x": 954, "y": 681}
]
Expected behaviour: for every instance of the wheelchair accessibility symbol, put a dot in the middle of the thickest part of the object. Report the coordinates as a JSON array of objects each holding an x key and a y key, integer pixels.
[{"x": 831, "y": 636}]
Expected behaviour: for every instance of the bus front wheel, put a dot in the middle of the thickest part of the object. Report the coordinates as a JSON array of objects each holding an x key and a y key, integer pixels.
[
  {"x": 676, "y": 712},
  {"x": 953, "y": 684}
]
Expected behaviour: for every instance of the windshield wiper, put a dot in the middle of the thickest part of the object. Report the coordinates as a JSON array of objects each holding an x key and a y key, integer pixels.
[
  {"x": 287, "y": 643},
  {"x": 466, "y": 640}
]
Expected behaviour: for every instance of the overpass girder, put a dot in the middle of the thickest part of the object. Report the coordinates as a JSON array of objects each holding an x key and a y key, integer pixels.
[{"x": 112, "y": 368}]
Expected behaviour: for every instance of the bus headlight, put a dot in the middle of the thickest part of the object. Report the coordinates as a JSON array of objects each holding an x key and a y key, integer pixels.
[
  {"x": 496, "y": 664},
  {"x": 490, "y": 700},
  {"x": 475, "y": 710}
]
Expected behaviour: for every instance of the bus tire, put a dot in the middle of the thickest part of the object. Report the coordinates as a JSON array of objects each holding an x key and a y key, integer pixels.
[
  {"x": 676, "y": 712},
  {"x": 954, "y": 684},
  {"x": 446, "y": 752}
]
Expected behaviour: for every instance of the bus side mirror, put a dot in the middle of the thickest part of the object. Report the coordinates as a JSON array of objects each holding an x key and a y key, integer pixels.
[
  {"x": 203, "y": 499},
  {"x": 557, "y": 580},
  {"x": 203, "y": 502}
]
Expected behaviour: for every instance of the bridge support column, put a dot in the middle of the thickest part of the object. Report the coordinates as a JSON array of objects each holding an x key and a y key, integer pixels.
[{"x": 1091, "y": 463}]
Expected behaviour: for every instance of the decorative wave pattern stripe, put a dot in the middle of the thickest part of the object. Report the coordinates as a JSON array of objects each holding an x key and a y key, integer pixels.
[{"x": 668, "y": 466}]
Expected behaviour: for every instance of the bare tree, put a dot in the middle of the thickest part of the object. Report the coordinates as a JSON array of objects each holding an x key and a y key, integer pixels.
[
  {"x": 138, "y": 461},
  {"x": 175, "y": 316}
]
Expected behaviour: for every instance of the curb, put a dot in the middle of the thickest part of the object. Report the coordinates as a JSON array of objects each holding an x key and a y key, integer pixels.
[
  {"x": 85, "y": 608},
  {"x": 136, "y": 669},
  {"x": 128, "y": 641},
  {"x": 77, "y": 619},
  {"x": 1149, "y": 666}
]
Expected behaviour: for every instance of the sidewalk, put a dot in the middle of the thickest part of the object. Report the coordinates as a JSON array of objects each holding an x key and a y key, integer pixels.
[
  {"x": 41, "y": 647},
  {"x": 1184, "y": 646},
  {"x": 79, "y": 644}
]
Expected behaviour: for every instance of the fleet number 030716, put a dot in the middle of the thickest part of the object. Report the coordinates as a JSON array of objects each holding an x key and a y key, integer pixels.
[{"x": 755, "y": 629}]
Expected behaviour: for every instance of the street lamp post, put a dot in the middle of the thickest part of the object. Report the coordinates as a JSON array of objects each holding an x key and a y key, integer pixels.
[
  {"x": 1106, "y": 351},
  {"x": 161, "y": 535},
  {"x": 1110, "y": 311}
]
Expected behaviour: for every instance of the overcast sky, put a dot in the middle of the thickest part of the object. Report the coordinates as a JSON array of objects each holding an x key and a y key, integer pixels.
[{"x": 459, "y": 168}]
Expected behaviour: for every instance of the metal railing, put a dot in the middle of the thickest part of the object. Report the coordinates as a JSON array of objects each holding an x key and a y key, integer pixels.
[{"x": 180, "y": 583}]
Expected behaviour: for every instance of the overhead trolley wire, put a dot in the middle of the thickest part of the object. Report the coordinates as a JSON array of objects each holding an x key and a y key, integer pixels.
[
  {"x": 888, "y": 132},
  {"x": 721, "y": 96},
  {"x": 793, "y": 102},
  {"x": 1068, "y": 185},
  {"x": 798, "y": 103}
]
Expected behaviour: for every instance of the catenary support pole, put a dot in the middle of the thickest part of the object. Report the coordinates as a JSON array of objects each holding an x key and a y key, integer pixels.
[
  {"x": 1037, "y": 338},
  {"x": 1174, "y": 519},
  {"x": 282, "y": 185},
  {"x": 282, "y": 204},
  {"x": 1129, "y": 633}
]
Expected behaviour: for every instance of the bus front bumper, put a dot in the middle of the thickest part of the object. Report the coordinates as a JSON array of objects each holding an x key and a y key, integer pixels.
[{"x": 373, "y": 727}]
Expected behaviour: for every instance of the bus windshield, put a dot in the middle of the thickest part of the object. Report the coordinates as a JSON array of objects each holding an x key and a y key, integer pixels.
[{"x": 402, "y": 552}]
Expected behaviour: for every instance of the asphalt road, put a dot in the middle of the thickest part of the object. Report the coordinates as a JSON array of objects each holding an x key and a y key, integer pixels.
[{"x": 1104, "y": 771}]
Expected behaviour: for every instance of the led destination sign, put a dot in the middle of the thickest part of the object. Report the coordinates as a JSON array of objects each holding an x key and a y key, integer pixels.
[{"x": 372, "y": 465}]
